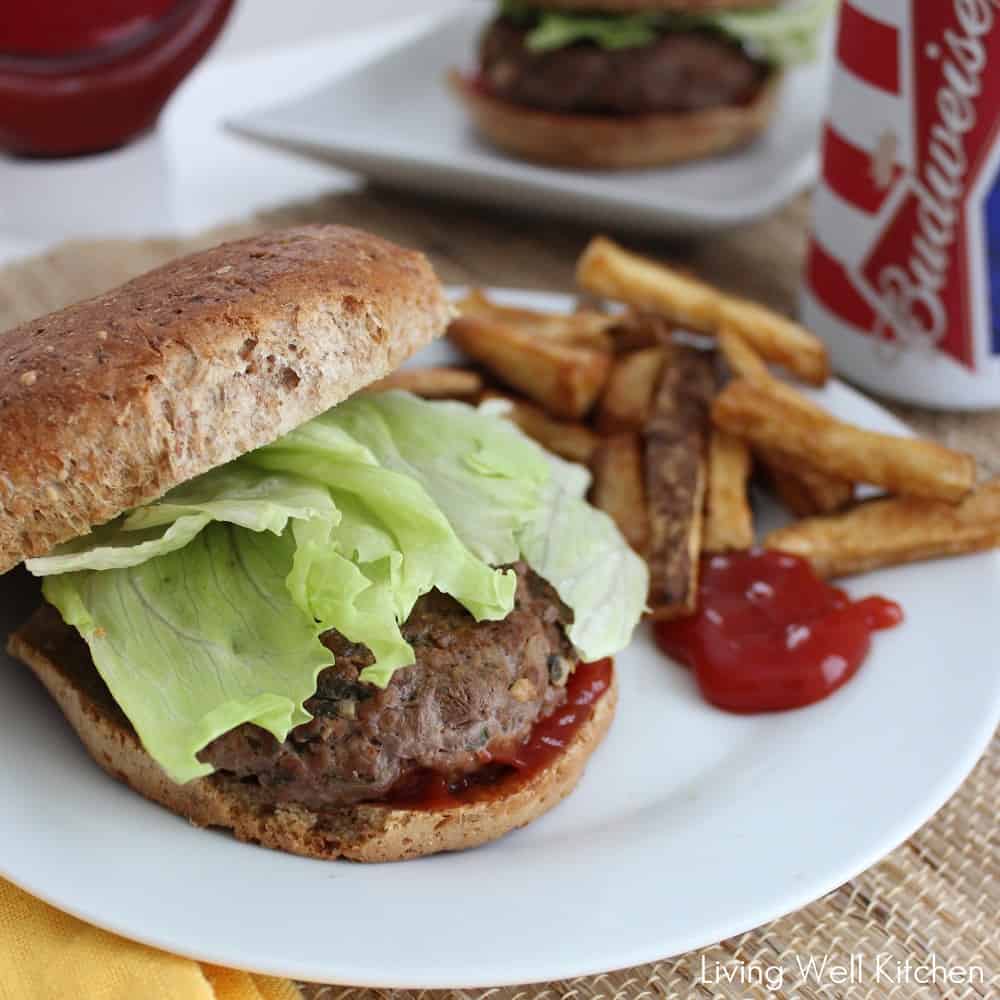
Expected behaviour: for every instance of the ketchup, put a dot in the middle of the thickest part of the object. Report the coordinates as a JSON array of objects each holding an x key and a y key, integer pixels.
[
  {"x": 501, "y": 773},
  {"x": 770, "y": 635}
]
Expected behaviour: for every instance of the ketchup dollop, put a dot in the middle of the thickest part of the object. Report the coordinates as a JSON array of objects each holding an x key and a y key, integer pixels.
[
  {"x": 769, "y": 634},
  {"x": 501, "y": 773}
]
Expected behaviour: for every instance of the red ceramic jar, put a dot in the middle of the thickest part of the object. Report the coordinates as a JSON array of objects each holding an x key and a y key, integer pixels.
[{"x": 84, "y": 77}]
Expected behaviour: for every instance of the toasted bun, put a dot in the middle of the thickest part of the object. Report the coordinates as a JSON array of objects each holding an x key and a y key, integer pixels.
[
  {"x": 649, "y": 6},
  {"x": 361, "y": 833},
  {"x": 109, "y": 403},
  {"x": 610, "y": 142}
]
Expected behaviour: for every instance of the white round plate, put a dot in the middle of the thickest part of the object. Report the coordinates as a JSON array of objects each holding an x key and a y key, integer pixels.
[{"x": 689, "y": 826}]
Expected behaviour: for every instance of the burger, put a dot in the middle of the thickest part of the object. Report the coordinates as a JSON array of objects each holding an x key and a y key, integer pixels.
[
  {"x": 338, "y": 624},
  {"x": 611, "y": 84}
]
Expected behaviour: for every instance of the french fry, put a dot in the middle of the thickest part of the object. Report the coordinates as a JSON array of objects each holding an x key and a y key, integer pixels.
[
  {"x": 637, "y": 329},
  {"x": 566, "y": 380},
  {"x": 744, "y": 362},
  {"x": 774, "y": 420},
  {"x": 629, "y": 392},
  {"x": 778, "y": 338},
  {"x": 583, "y": 328},
  {"x": 431, "y": 383},
  {"x": 676, "y": 440},
  {"x": 573, "y": 441},
  {"x": 728, "y": 518},
  {"x": 618, "y": 487},
  {"x": 892, "y": 531},
  {"x": 609, "y": 270},
  {"x": 803, "y": 490},
  {"x": 741, "y": 359}
]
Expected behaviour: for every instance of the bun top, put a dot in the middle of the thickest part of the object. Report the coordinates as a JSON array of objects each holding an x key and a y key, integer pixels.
[
  {"x": 653, "y": 6},
  {"x": 109, "y": 403}
]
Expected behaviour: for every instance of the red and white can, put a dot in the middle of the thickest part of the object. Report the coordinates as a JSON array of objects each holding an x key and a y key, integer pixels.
[{"x": 903, "y": 272}]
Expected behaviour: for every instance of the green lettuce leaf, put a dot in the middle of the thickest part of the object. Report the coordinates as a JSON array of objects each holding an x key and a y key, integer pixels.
[
  {"x": 557, "y": 29},
  {"x": 482, "y": 472},
  {"x": 231, "y": 494},
  {"x": 783, "y": 34},
  {"x": 239, "y": 495},
  {"x": 580, "y": 551},
  {"x": 110, "y": 546},
  {"x": 198, "y": 641}
]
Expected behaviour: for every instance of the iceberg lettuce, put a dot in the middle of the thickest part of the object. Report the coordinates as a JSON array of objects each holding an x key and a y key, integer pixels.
[
  {"x": 580, "y": 551},
  {"x": 231, "y": 494},
  {"x": 783, "y": 33},
  {"x": 195, "y": 642}
]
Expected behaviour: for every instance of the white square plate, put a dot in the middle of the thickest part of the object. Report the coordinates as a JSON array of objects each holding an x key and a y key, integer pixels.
[{"x": 395, "y": 121}]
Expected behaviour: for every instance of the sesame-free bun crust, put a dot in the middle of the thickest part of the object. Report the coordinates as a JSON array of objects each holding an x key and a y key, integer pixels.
[
  {"x": 616, "y": 142},
  {"x": 109, "y": 403},
  {"x": 368, "y": 832}
]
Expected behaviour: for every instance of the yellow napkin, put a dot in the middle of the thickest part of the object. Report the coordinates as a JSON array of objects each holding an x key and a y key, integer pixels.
[{"x": 49, "y": 955}]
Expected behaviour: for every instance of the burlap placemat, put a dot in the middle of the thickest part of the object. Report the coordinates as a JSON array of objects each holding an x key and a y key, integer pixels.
[{"x": 923, "y": 922}]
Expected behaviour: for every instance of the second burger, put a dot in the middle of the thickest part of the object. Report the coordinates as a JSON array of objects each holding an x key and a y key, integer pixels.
[{"x": 612, "y": 84}]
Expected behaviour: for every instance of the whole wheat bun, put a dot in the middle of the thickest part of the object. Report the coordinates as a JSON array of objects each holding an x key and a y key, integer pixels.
[
  {"x": 616, "y": 142},
  {"x": 107, "y": 404},
  {"x": 369, "y": 832}
]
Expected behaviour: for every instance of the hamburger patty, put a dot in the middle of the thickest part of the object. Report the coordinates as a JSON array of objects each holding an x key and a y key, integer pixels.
[
  {"x": 476, "y": 688},
  {"x": 680, "y": 71}
]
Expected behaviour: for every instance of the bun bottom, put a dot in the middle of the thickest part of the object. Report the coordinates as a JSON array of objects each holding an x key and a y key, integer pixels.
[
  {"x": 366, "y": 832},
  {"x": 616, "y": 142}
]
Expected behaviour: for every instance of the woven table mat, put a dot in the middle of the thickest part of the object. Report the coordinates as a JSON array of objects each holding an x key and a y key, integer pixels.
[{"x": 933, "y": 902}]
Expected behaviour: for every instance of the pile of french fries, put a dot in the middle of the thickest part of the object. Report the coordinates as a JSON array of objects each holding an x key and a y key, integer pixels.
[{"x": 674, "y": 430}]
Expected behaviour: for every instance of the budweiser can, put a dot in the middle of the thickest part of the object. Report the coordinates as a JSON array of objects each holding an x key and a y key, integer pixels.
[{"x": 903, "y": 270}]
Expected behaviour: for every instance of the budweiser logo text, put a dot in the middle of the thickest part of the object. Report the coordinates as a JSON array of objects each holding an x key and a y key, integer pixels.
[
  {"x": 906, "y": 247},
  {"x": 912, "y": 292}
]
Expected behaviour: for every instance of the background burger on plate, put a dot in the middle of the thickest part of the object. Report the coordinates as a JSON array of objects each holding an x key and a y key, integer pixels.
[
  {"x": 610, "y": 84},
  {"x": 320, "y": 619}
]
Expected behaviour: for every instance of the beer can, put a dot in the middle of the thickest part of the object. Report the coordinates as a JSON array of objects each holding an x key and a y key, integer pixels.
[{"x": 902, "y": 275}]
